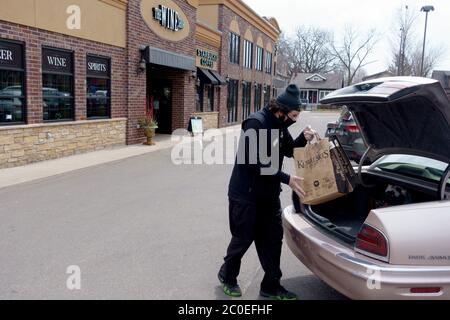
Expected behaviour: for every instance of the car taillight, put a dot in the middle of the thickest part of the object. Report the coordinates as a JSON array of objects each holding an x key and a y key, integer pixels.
[
  {"x": 372, "y": 241},
  {"x": 352, "y": 128},
  {"x": 429, "y": 290}
]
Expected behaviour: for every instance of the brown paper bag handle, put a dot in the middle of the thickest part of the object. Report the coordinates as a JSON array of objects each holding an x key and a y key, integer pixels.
[{"x": 318, "y": 138}]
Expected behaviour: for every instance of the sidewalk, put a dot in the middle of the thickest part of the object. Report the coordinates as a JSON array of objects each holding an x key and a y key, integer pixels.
[{"x": 40, "y": 170}]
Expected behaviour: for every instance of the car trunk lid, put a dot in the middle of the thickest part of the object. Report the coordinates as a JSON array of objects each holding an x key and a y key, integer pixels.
[{"x": 404, "y": 115}]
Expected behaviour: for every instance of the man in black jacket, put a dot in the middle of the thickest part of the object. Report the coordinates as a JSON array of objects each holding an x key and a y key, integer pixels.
[{"x": 254, "y": 193}]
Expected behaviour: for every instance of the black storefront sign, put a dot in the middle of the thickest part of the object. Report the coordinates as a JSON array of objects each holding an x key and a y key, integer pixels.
[
  {"x": 168, "y": 18},
  {"x": 207, "y": 59},
  {"x": 57, "y": 61},
  {"x": 11, "y": 55},
  {"x": 97, "y": 67}
]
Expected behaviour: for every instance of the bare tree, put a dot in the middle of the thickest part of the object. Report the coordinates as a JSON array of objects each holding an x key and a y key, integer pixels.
[
  {"x": 308, "y": 51},
  {"x": 311, "y": 50},
  {"x": 402, "y": 43},
  {"x": 285, "y": 55},
  {"x": 432, "y": 58},
  {"x": 406, "y": 46},
  {"x": 353, "y": 51}
]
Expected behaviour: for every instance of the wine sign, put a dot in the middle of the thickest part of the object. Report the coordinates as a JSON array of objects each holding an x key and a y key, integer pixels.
[{"x": 57, "y": 61}]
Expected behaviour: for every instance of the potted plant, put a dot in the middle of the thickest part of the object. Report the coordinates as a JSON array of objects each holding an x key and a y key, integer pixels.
[{"x": 149, "y": 125}]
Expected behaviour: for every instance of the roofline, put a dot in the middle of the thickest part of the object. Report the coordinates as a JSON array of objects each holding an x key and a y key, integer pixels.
[{"x": 246, "y": 12}]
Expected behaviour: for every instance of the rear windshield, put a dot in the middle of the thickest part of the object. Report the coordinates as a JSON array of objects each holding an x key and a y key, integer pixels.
[{"x": 412, "y": 166}]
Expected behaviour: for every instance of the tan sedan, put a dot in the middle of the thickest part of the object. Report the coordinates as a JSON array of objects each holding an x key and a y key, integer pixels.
[{"x": 390, "y": 238}]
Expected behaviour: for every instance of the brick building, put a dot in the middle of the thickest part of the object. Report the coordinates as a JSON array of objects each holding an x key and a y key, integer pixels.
[{"x": 76, "y": 76}]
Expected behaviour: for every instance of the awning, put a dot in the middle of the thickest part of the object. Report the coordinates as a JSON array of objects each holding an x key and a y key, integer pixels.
[
  {"x": 219, "y": 78},
  {"x": 206, "y": 76},
  {"x": 169, "y": 59}
]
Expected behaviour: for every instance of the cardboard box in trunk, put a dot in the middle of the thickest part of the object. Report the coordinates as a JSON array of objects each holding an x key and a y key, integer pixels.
[{"x": 326, "y": 169}]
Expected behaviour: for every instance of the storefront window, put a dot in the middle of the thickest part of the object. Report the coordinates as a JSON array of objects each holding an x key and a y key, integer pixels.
[
  {"x": 258, "y": 97},
  {"x": 210, "y": 95},
  {"x": 246, "y": 97},
  {"x": 232, "y": 101},
  {"x": 199, "y": 99},
  {"x": 267, "y": 95},
  {"x": 98, "y": 87},
  {"x": 57, "y": 85},
  {"x": 12, "y": 90},
  {"x": 235, "y": 48}
]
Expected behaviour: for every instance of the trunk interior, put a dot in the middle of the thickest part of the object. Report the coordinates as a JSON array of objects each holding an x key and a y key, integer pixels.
[{"x": 345, "y": 216}]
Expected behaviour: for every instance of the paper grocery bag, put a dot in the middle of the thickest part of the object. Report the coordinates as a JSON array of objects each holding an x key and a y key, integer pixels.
[{"x": 324, "y": 170}]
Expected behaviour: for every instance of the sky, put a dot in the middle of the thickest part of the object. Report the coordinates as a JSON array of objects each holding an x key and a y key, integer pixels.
[{"x": 364, "y": 15}]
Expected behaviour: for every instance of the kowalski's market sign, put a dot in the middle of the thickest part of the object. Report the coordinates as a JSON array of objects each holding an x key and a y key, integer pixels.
[
  {"x": 166, "y": 19},
  {"x": 207, "y": 59}
]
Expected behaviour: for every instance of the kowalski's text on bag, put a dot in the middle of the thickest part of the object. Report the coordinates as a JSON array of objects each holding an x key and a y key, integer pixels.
[{"x": 326, "y": 170}]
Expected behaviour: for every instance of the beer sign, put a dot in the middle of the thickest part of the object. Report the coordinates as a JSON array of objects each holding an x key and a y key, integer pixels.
[{"x": 11, "y": 55}]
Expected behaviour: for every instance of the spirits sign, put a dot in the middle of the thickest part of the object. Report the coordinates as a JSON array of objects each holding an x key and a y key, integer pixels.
[{"x": 168, "y": 18}]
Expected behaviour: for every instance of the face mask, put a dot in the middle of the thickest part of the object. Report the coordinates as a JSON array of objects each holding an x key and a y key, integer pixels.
[
  {"x": 285, "y": 121},
  {"x": 288, "y": 122}
]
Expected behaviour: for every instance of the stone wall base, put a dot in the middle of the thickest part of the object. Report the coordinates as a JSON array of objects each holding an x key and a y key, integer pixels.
[{"x": 21, "y": 145}]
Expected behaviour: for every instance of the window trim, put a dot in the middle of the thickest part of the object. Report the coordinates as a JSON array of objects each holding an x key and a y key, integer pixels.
[
  {"x": 73, "y": 97},
  {"x": 24, "y": 84}
]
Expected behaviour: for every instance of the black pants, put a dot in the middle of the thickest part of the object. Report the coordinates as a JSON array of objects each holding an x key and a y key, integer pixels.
[{"x": 260, "y": 223}]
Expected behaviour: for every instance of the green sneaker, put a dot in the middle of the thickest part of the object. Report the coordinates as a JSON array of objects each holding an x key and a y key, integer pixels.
[
  {"x": 233, "y": 291},
  {"x": 279, "y": 294}
]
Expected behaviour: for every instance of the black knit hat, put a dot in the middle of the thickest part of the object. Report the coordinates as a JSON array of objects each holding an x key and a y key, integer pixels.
[{"x": 290, "y": 98}]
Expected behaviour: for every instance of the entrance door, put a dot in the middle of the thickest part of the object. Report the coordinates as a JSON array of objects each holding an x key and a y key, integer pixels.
[{"x": 161, "y": 91}]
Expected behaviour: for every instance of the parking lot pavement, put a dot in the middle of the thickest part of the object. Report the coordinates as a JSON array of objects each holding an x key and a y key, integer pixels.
[{"x": 138, "y": 228}]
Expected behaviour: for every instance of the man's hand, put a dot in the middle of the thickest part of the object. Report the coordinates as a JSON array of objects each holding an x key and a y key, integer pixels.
[
  {"x": 294, "y": 183},
  {"x": 309, "y": 134}
]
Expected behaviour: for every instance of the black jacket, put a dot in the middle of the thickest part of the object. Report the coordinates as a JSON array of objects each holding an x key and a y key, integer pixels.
[{"x": 247, "y": 183}]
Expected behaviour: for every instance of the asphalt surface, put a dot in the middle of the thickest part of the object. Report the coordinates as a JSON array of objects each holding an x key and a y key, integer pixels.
[{"x": 140, "y": 228}]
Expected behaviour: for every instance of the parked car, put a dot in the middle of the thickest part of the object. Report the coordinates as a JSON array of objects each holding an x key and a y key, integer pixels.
[
  {"x": 11, "y": 104},
  {"x": 11, "y": 91},
  {"x": 389, "y": 239},
  {"x": 348, "y": 134}
]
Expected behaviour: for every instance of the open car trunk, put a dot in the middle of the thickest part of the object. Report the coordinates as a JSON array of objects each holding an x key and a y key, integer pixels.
[{"x": 345, "y": 216}]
